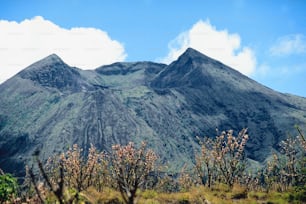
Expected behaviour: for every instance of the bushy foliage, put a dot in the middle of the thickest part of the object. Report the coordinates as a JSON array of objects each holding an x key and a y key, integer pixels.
[{"x": 8, "y": 187}]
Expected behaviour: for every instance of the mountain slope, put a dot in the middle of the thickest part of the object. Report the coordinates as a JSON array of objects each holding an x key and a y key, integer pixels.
[
  {"x": 224, "y": 98},
  {"x": 50, "y": 106}
]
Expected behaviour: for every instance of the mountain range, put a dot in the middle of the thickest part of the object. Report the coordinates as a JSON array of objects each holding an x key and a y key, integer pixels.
[{"x": 49, "y": 106}]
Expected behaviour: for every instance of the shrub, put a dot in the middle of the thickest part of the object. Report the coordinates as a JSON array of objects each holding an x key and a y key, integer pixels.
[
  {"x": 8, "y": 187},
  {"x": 168, "y": 184}
]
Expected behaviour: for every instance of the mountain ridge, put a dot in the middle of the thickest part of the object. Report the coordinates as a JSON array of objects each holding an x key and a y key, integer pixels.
[{"x": 50, "y": 106}]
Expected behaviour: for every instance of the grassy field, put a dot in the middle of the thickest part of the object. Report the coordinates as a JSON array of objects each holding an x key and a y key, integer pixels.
[{"x": 218, "y": 194}]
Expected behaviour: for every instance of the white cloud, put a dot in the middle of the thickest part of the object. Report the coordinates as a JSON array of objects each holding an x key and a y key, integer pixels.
[
  {"x": 218, "y": 44},
  {"x": 23, "y": 43},
  {"x": 289, "y": 44}
]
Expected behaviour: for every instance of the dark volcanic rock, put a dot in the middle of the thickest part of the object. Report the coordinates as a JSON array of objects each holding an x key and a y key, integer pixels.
[
  {"x": 50, "y": 106},
  {"x": 53, "y": 72}
]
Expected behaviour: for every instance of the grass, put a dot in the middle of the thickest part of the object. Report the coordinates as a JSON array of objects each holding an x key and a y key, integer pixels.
[
  {"x": 220, "y": 194},
  {"x": 108, "y": 195}
]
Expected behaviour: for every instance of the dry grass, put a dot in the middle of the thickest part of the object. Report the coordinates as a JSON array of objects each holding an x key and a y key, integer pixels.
[
  {"x": 91, "y": 195},
  {"x": 220, "y": 194}
]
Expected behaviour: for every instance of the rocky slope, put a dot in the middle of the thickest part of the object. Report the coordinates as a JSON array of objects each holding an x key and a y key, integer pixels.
[{"x": 50, "y": 106}]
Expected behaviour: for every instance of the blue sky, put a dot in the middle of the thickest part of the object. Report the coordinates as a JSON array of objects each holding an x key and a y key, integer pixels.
[{"x": 265, "y": 40}]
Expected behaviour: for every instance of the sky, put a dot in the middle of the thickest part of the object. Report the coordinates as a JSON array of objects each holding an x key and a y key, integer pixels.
[{"x": 265, "y": 40}]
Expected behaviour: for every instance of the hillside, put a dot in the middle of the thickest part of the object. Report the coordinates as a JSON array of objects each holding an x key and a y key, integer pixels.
[{"x": 50, "y": 106}]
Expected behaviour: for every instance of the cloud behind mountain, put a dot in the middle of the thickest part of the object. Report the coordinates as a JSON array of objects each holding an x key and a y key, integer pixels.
[
  {"x": 219, "y": 44},
  {"x": 22, "y": 43}
]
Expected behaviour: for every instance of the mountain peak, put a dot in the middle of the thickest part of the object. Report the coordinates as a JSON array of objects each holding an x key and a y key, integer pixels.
[
  {"x": 190, "y": 69},
  {"x": 51, "y": 59},
  {"x": 192, "y": 53},
  {"x": 52, "y": 71}
]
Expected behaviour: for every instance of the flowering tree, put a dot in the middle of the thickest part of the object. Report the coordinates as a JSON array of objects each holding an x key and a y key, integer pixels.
[
  {"x": 70, "y": 170},
  {"x": 229, "y": 155},
  {"x": 222, "y": 157},
  {"x": 130, "y": 168},
  {"x": 292, "y": 167},
  {"x": 205, "y": 162},
  {"x": 287, "y": 168},
  {"x": 82, "y": 172},
  {"x": 301, "y": 138}
]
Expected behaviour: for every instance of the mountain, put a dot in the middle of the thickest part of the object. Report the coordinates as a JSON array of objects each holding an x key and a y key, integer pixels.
[{"x": 50, "y": 106}]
